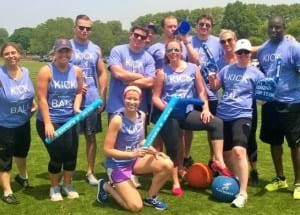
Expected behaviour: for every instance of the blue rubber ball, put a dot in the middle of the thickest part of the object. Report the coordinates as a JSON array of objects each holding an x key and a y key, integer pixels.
[{"x": 225, "y": 188}]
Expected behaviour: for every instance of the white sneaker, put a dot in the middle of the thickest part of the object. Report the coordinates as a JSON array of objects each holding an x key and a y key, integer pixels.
[
  {"x": 240, "y": 200},
  {"x": 135, "y": 181},
  {"x": 69, "y": 191},
  {"x": 91, "y": 179},
  {"x": 55, "y": 194}
]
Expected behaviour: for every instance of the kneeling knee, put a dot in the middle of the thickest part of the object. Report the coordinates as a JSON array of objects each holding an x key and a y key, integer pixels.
[
  {"x": 135, "y": 206},
  {"x": 239, "y": 153}
]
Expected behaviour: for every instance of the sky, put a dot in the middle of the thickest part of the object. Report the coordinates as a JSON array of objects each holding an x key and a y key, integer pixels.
[{"x": 29, "y": 13}]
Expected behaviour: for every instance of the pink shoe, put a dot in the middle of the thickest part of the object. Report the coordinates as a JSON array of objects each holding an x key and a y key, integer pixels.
[
  {"x": 222, "y": 171},
  {"x": 177, "y": 191}
]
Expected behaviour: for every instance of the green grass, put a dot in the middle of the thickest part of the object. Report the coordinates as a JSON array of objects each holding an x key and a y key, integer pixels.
[{"x": 195, "y": 201}]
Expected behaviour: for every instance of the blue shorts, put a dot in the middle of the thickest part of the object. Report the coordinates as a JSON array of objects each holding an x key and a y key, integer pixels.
[{"x": 91, "y": 124}]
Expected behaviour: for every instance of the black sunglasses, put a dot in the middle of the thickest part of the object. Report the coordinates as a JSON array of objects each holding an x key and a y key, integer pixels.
[
  {"x": 81, "y": 28},
  {"x": 202, "y": 24},
  {"x": 170, "y": 50},
  {"x": 136, "y": 35},
  {"x": 242, "y": 51},
  {"x": 226, "y": 41}
]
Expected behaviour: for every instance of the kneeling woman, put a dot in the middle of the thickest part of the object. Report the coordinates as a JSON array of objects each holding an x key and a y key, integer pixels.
[
  {"x": 59, "y": 86},
  {"x": 125, "y": 156}
]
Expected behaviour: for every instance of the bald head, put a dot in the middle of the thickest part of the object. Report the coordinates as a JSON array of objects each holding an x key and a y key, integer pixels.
[{"x": 276, "y": 28}]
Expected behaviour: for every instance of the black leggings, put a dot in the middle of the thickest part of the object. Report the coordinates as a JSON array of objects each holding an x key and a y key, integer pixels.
[
  {"x": 252, "y": 143},
  {"x": 62, "y": 151},
  {"x": 171, "y": 129}
]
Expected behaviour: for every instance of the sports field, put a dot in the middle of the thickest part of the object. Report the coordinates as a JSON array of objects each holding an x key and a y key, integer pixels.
[{"x": 36, "y": 201}]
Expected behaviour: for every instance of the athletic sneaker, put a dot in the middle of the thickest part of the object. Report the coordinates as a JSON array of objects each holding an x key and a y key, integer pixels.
[
  {"x": 24, "y": 182},
  {"x": 55, "y": 194},
  {"x": 253, "y": 180},
  {"x": 276, "y": 184},
  {"x": 240, "y": 200},
  {"x": 91, "y": 179},
  {"x": 296, "y": 194},
  {"x": 69, "y": 191},
  {"x": 155, "y": 202},
  {"x": 177, "y": 191},
  {"x": 10, "y": 199},
  {"x": 102, "y": 195}
]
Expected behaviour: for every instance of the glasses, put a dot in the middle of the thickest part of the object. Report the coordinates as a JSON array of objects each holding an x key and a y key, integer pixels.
[
  {"x": 226, "y": 41},
  {"x": 243, "y": 51},
  {"x": 170, "y": 50},
  {"x": 81, "y": 28},
  {"x": 136, "y": 36},
  {"x": 202, "y": 24}
]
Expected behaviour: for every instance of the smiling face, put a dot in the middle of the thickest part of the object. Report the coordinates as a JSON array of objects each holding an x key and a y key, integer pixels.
[
  {"x": 132, "y": 100},
  {"x": 204, "y": 28},
  {"x": 63, "y": 56},
  {"x": 10, "y": 55},
  {"x": 276, "y": 28},
  {"x": 82, "y": 30},
  {"x": 173, "y": 51},
  {"x": 228, "y": 41},
  {"x": 137, "y": 39}
]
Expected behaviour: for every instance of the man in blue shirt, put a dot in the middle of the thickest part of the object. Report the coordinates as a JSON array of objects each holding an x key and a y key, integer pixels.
[{"x": 281, "y": 118}]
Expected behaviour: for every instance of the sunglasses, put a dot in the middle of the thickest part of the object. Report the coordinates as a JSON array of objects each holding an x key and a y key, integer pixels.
[
  {"x": 136, "y": 36},
  {"x": 243, "y": 51},
  {"x": 226, "y": 41},
  {"x": 81, "y": 28},
  {"x": 202, "y": 24},
  {"x": 170, "y": 50}
]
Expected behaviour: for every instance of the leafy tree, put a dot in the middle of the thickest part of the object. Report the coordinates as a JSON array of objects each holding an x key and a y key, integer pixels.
[
  {"x": 3, "y": 36},
  {"x": 22, "y": 36},
  {"x": 239, "y": 18},
  {"x": 293, "y": 28},
  {"x": 46, "y": 33}
]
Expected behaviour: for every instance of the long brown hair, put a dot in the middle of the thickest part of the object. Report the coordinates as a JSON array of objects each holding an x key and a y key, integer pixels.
[{"x": 15, "y": 45}]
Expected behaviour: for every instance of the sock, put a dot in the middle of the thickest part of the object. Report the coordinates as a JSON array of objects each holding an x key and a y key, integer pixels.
[
  {"x": 7, "y": 193},
  {"x": 281, "y": 177}
]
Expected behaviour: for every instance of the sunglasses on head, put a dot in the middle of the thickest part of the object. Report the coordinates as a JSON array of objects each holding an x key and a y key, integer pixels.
[
  {"x": 136, "y": 35},
  {"x": 202, "y": 24},
  {"x": 226, "y": 41},
  {"x": 81, "y": 28},
  {"x": 243, "y": 51},
  {"x": 170, "y": 50}
]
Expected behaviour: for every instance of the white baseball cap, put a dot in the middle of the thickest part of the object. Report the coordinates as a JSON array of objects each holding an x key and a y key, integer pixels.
[{"x": 243, "y": 44}]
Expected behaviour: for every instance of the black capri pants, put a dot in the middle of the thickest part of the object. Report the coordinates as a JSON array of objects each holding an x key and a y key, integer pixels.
[
  {"x": 13, "y": 142},
  {"x": 171, "y": 129},
  {"x": 63, "y": 150}
]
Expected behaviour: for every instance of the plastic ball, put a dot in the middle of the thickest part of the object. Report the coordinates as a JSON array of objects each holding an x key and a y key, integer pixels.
[
  {"x": 199, "y": 175},
  {"x": 225, "y": 188}
]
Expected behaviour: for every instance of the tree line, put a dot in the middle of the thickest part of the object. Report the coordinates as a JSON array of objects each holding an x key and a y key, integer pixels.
[{"x": 247, "y": 20}]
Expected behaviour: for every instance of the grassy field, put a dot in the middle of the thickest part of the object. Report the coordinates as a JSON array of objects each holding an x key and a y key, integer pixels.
[{"x": 195, "y": 201}]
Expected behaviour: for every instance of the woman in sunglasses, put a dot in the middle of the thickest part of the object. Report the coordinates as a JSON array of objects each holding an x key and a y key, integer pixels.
[
  {"x": 228, "y": 42},
  {"x": 235, "y": 109},
  {"x": 182, "y": 79}
]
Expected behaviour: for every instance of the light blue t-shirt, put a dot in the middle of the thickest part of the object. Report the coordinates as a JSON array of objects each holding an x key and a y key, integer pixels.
[
  {"x": 213, "y": 43},
  {"x": 238, "y": 91},
  {"x": 141, "y": 62},
  {"x": 288, "y": 87},
  {"x": 16, "y": 97},
  {"x": 86, "y": 57},
  {"x": 179, "y": 84}
]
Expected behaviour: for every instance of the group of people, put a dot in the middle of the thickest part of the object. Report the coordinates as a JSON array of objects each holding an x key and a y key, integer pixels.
[{"x": 144, "y": 76}]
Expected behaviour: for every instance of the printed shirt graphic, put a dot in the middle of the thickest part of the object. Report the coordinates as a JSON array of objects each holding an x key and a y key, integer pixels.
[
  {"x": 238, "y": 91},
  {"x": 128, "y": 139},
  {"x": 288, "y": 87},
  {"x": 141, "y": 62},
  {"x": 213, "y": 43},
  {"x": 179, "y": 84},
  {"x": 86, "y": 57},
  {"x": 16, "y": 98}
]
